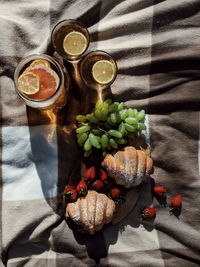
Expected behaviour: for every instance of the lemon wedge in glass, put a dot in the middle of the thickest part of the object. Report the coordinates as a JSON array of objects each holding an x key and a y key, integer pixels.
[
  {"x": 103, "y": 71},
  {"x": 75, "y": 43},
  {"x": 29, "y": 83},
  {"x": 40, "y": 62}
]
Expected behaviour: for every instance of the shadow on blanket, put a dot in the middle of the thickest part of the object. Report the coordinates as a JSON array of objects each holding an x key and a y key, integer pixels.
[{"x": 55, "y": 152}]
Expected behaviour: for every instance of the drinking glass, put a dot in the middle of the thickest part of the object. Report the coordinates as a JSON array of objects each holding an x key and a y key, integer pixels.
[
  {"x": 86, "y": 69},
  {"x": 62, "y": 30},
  {"x": 56, "y": 100}
]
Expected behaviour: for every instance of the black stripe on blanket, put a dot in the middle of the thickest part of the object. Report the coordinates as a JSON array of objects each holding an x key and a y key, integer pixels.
[{"x": 174, "y": 105}]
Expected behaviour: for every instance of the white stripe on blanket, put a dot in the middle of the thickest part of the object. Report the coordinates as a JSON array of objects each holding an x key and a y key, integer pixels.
[{"x": 29, "y": 162}]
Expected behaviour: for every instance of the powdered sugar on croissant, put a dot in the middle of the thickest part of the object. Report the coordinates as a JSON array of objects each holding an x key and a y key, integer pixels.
[
  {"x": 128, "y": 167},
  {"x": 92, "y": 211}
]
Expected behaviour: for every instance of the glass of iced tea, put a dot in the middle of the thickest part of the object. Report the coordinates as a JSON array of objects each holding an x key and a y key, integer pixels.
[
  {"x": 70, "y": 39},
  {"x": 41, "y": 83},
  {"x": 98, "y": 70}
]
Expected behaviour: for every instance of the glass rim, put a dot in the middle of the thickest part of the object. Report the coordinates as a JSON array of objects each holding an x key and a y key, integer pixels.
[
  {"x": 102, "y": 52},
  {"x": 24, "y": 61},
  {"x": 74, "y": 21}
]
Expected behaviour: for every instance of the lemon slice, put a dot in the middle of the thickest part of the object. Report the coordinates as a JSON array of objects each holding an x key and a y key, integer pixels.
[
  {"x": 49, "y": 81},
  {"x": 40, "y": 62},
  {"x": 103, "y": 71},
  {"x": 29, "y": 83},
  {"x": 75, "y": 43}
]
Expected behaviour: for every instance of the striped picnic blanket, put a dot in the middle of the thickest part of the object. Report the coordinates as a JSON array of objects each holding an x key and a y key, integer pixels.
[{"x": 156, "y": 46}]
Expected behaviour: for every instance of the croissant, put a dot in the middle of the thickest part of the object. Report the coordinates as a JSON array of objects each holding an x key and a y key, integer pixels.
[
  {"x": 92, "y": 211},
  {"x": 128, "y": 167}
]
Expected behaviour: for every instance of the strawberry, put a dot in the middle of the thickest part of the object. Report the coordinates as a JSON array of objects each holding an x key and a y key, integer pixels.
[
  {"x": 159, "y": 190},
  {"x": 68, "y": 188},
  {"x": 103, "y": 176},
  {"x": 98, "y": 185},
  {"x": 115, "y": 193},
  {"x": 81, "y": 188},
  {"x": 148, "y": 213},
  {"x": 71, "y": 195},
  {"x": 176, "y": 201},
  {"x": 89, "y": 175},
  {"x": 176, "y": 204}
]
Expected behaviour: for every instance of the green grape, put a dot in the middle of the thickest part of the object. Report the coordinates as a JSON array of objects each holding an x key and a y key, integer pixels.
[
  {"x": 87, "y": 145},
  {"x": 120, "y": 106},
  {"x": 113, "y": 118},
  {"x": 97, "y": 114},
  {"x": 121, "y": 128},
  {"x": 96, "y": 131},
  {"x": 141, "y": 126},
  {"x": 88, "y": 153},
  {"x": 115, "y": 133},
  {"x": 108, "y": 101},
  {"x": 104, "y": 113},
  {"x": 129, "y": 128},
  {"x": 88, "y": 116},
  {"x": 116, "y": 104},
  {"x": 78, "y": 135},
  {"x": 126, "y": 132},
  {"x": 104, "y": 140},
  {"x": 83, "y": 129},
  {"x": 118, "y": 117},
  {"x": 131, "y": 113},
  {"x": 131, "y": 120},
  {"x": 105, "y": 105},
  {"x": 81, "y": 118},
  {"x": 99, "y": 139},
  {"x": 99, "y": 104},
  {"x": 121, "y": 141},
  {"x": 108, "y": 147},
  {"x": 82, "y": 124},
  {"x": 94, "y": 141},
  {"x": 109, "y": 121},
  {"x": 81, "y": 138},
  {"x": 140, "y": 115},
  {"x": 123, "y": 114},
  {"x": 91, "y": 118},
  {"x": 113, "y": 107},
  {"x": 135, "y": 112},
  {"x": 113, "y": 143}
]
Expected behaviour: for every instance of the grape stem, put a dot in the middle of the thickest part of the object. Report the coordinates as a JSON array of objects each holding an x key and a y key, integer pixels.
[{"x": 100, "y": 129}]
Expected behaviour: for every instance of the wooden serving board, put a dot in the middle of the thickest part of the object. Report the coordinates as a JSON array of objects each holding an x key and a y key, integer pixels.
[{"x": 124, "y": 209}]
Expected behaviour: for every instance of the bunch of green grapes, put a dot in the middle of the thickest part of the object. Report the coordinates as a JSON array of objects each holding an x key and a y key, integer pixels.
[{"x": 108, "y": 126}]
